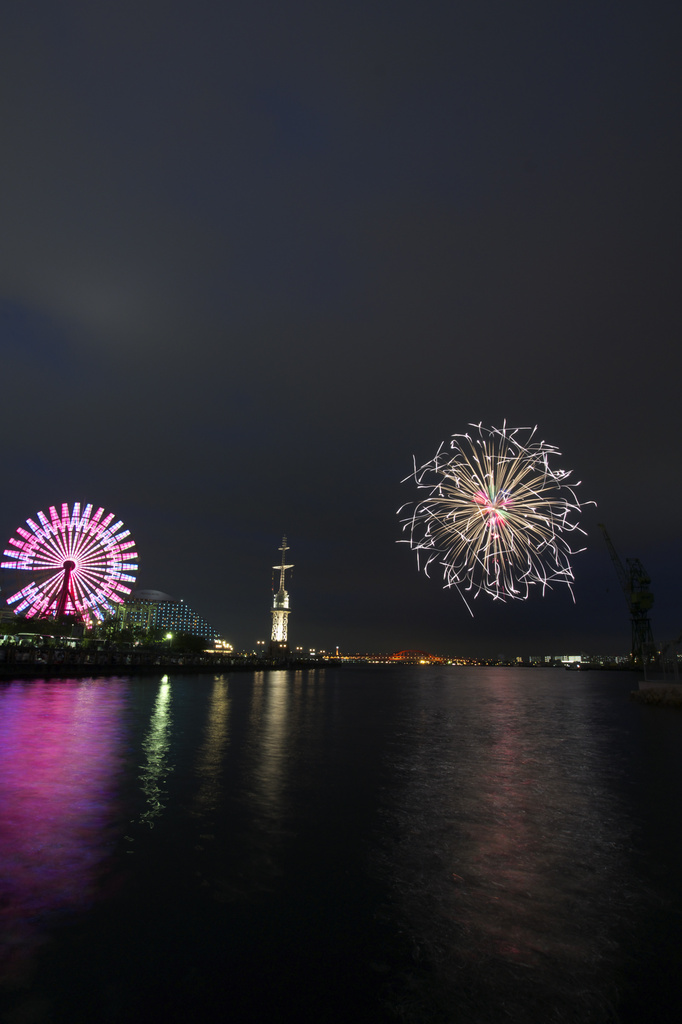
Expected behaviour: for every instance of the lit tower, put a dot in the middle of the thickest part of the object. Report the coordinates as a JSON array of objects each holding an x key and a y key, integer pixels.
[{"x": 280, "y": 608}]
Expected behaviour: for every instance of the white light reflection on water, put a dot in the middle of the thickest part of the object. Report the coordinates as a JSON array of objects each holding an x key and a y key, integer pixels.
[
  {"x": 267, "y": 789},
  {"x": 272, "y": 746},
  {"x": 156, "y": 746},
  {"x": 209, "y": 764}
]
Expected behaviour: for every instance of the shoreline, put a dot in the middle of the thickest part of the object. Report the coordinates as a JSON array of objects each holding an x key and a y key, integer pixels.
[{"x": 116, "y": 663}]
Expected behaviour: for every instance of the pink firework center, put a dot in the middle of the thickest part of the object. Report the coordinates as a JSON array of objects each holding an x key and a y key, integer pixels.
[
  {"x": 79, "y": 563},
  {"x": 493, "y": 508}
]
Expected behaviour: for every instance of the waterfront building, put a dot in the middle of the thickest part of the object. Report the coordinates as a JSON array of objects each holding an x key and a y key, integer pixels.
[
  {"x": 279, "y": 642},
  {"x": 151, "y": 609}
]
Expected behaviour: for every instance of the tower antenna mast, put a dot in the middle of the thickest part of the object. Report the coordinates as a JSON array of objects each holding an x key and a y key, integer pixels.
[{"x": 280, "y": 608}]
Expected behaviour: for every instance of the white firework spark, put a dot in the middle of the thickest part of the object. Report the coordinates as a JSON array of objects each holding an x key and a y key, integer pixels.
[{"x": 496, "y": 516}]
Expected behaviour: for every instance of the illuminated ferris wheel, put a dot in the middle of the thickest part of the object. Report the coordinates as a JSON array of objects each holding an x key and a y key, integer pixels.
[{"x": 76, "y": 564}]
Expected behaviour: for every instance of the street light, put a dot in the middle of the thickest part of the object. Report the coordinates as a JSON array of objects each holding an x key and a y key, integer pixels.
[{"x": 169, "y": 638}]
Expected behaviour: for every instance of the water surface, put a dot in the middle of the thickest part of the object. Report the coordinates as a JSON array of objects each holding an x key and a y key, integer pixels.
[{"x": 418, "y": 844}]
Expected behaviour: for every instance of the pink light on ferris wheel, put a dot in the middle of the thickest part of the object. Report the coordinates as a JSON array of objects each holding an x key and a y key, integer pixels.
[{"x": 76, "y": 563}]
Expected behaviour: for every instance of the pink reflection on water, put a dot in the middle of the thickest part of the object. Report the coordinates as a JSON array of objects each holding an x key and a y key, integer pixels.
[
  {"x": 538, "y": 829},
  {"x": 60, "y": 745},
  {"x": 511, "y": 845}
]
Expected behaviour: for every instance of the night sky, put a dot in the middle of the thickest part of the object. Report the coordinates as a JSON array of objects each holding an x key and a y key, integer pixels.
[{"x": 255, "y": 257}]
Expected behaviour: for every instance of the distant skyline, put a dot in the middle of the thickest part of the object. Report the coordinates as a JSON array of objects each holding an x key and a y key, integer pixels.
[
  {"x": 433, "y": 636},
  {"x": 255, "y": 259}
]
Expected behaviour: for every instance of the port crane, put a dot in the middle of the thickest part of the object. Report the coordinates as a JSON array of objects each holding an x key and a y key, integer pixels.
[{"x": 634, "y": 582}]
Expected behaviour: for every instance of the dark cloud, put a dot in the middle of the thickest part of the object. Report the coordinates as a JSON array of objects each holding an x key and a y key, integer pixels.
[{"x": 253, "y": 259}]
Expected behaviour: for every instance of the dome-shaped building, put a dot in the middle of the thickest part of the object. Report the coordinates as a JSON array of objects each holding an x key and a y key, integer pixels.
[{"x": 152, "y": 609}]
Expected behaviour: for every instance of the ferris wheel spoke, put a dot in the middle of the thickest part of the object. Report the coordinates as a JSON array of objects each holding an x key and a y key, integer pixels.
[{"x": 85, "y": 545}]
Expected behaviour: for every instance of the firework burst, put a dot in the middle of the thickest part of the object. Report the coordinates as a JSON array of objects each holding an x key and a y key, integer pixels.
[{"x": 495, "y": 517}]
